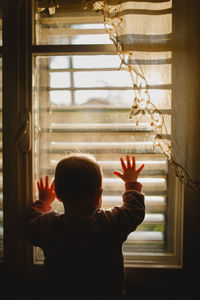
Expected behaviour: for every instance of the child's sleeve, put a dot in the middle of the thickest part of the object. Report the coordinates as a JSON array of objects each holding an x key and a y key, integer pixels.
[
  {"x": 124, "y": 219},
  {"x": 36, "y": 222}
]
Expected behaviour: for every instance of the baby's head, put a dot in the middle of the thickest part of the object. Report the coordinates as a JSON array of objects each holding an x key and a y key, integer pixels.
[{"x": 78, "y": 181}]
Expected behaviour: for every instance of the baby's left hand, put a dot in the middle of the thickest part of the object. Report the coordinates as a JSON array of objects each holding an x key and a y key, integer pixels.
[{"x": 46, "y": 193}]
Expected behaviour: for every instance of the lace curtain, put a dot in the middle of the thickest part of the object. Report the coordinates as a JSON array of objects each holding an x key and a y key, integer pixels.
[{"x": 164, "y": 34}]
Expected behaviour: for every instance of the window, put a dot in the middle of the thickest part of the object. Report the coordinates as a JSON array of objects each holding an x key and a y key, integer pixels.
[
  {"x": 151, "y": 269},
  {"x": 82, "y": 103}
]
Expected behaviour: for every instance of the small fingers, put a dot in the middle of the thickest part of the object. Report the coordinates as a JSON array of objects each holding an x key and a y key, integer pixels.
[
  {"x": 118, "y": 174},
  {"x": 41, "y": 183},
  {"x": 38, "y": 185},
  {"x": 140, "y": 169},
  {"x": 128, "y": 162},
  {"x": 47, "y": 181},
  {"x": 133, "y": 162},
  {"x": 123, "y": 164}
]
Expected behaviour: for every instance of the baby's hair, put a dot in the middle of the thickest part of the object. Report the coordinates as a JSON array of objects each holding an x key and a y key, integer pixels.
[{"x": 77, "y": 177}]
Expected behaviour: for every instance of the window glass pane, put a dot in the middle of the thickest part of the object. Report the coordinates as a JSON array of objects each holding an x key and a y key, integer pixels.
[
  {"x": 69, "y": 26},
  {"x": 88, "y": 111},
  {"x": 90, "y": 39},
  {"x": 102, "y": 79},
  {"x": 104, "y": 97},
  {"x": 59, "y": 62},
  {"x": 59, "y": 80},
  {"x": 59, "y": 98},
  {"x": 88, "y": 26},
  {"x": 103, "y": 61}
]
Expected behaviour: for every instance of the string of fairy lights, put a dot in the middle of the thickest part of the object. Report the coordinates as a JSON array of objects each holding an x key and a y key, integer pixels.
[{"x": 142, "y": 105}]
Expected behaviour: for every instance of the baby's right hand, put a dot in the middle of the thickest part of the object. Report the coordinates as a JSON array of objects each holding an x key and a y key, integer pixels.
[{"x": 130, "y": 174}]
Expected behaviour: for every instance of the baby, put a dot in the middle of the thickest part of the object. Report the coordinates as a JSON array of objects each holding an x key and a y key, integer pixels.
[{"x": 83, "y": 245}]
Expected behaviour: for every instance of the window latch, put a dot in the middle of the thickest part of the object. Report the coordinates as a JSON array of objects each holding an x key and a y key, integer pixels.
[{"x": 23, "y": 136}]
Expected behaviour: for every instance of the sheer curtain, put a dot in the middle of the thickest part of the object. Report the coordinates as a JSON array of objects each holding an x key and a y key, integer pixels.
[
  {"x": 158, "y": 43},
  {"x": 165, "y": 36},
  {"x": 172, "y": 26}
]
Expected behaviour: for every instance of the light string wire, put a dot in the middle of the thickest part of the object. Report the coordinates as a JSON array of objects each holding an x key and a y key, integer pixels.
[{"x": 142, "y": 105}]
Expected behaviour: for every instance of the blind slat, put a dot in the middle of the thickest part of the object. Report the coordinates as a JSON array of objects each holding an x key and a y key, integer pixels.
[{"x": 146, "y": 236}]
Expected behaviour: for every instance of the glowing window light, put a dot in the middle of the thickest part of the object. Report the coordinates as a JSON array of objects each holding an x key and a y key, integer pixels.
[
  {"x": 59, "y": 79},
  {"x": 149, "y": 180}
]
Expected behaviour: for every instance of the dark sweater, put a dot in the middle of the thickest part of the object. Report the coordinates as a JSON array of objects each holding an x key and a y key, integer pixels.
[{"x": 83, "y": 255}]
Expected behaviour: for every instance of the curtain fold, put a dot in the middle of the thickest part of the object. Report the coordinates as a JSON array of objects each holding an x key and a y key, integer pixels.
[{"x": 186, "y": 87}]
